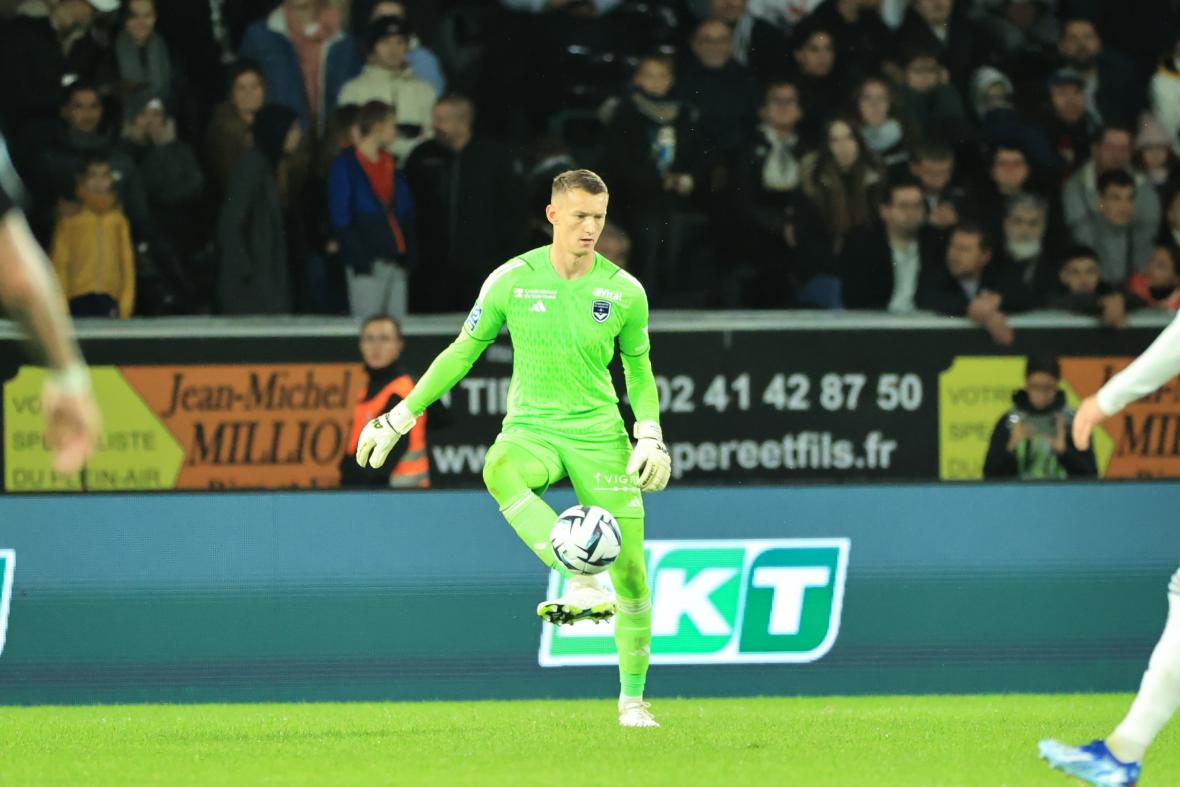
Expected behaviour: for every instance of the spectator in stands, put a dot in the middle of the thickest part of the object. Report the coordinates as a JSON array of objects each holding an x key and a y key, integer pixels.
[
  {"x": 882, "y": 128},
  {"x": 944, "y": 28},
  {"x": 1070, "y": 126},
  {"x": 466, "y": 193},
  {"x": 1165, "y": 91},
  {"x": 927, "y": 98},
  {"x": 1026, "y": 33},
  {"x": 372, "y": 214},
  {"x": 654, "y": 157},
  {"x": 1158, "y": 285},
  {"x": 1027, "y": 245},
  {"x": 1113, "y": 93},
  {"x": 757, "y": 44},
  {"x": 1033, "y": 440},
  {"x": 255, "y": 276},
  {"x": 228, "y": 136},
  {"x": 993, "y": 96},
  {"x": 860, "y": 35},
  {"x": 1155, "y": 156},
  {"x": 91, "y": 251},
  {"x": 142, "y": 60},
  {"x": 972, "y": 284},
  {"x": 305, "y": 57},
  {"x": 388, "y": 77},
  {"x": 843, "y": 181},
  {"x": 408, "y": 464},
  {"x": 818, "y": 78},
  {"x": 881, "y": 264},
  {"x": 1009, "y": 178},
  {"x": 724, "y": 92},
  {"x": 933, "y": 164},
  {"x": 80, "y": 136},
  {"x": 1080, "y": 288},
  {"x": 1122, "y": 248},
  {"x": 615, "y": 245},
  {"x": 39, "y": 49},
  {"x": 171, "y": 175},
  {"x": 423, "y": 62}
]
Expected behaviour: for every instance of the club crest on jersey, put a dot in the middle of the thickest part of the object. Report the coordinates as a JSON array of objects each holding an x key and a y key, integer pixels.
[{"x": 600, "y": 310}]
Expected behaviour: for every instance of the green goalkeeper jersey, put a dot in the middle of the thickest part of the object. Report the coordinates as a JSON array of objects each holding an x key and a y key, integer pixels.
[{"x": 563, "y": 335}]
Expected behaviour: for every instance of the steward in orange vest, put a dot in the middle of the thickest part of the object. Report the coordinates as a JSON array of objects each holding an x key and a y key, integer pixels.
[{"x": 408, "y": 467}]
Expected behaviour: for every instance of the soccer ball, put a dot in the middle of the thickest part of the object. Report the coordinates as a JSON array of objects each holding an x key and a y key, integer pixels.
[{"x": 586, "y": 539}]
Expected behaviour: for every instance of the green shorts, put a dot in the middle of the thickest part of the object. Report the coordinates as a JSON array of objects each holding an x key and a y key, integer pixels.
[{"x": 597, "y": 469}]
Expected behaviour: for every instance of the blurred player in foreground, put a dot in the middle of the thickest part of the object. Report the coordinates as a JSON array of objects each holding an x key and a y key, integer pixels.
[
  {"x": 1114, "y": 761},
  {"x": 30, "y": 295},
  {"x": 566, "y": 307}
]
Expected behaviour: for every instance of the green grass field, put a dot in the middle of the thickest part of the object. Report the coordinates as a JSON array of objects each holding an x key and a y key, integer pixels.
[{"x": 836, "y": 741}]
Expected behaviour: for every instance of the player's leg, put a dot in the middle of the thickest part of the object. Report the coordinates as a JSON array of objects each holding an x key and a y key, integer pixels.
[
  {"x": 599, "y": 476},
  {"x": 514, "y": 468},
  {"x": 1116, "y": 759}
]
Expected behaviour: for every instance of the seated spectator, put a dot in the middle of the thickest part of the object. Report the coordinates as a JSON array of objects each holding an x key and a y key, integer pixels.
[
  {"x": 944, "y": 28},
  {"x": 1033, "y": 440},
  {"x": 929, "y": 101},
  {"x": 142, "y": 60},
  {"x": 1025, "y": 32},
  {"x": 1080, "y": 289},
  {"x": 1155, "y": 156},
  {"x": 171, "y": 175},
  {"x": 724, "y": 92},
  {"x": 1165, "y": 91},
  {"x": 91, "y": 250},
  {"x": 818, "y": 78},
  {"x": 423, "y": 62},
  {"x": 255, "y": 276},
  {"x": 1070, "y": 126},
  {"x": 842, "y": 181},
  {"x": 387, "y": 77},
  {"x": 1122, "y": 249},
  {"x": 757, "y": 44},
  {"x": 1009, "y": 176},
  {"x": 993, "y": 97},
  {"x": 467, "y": 198},
  {"x": 228, "y": 136},
  {"x": 881, "y": 264},
  {"x": 880, "y": 125},
  {"x": 1027, "y": 245},
  {"x": 1158, "y": 285},
  {"x": 80, "y": 136},
  {"x": 372, "y": 214},
  {"x": 861, "y": 36},
  {"x": 933, "y": 164},
  {"x": 972, "y": 284},
  {"x": 305, "y": 58},
  {"x": 1114, "y": 95},
  {"x": 615, "y": 245}
]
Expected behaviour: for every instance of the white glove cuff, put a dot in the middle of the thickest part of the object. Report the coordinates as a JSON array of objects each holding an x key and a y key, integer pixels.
[
  {"x": 648, "y": 430},
  {"x": 74, "y": 379},
  {"x": 400, "y": 419}
]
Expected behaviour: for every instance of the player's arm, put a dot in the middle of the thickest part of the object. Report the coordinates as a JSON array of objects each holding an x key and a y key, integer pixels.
[
  {"x": 479, "y": 331},
  {"x": 1159, "y": 363},
  {"x": 649, "y": 459}
]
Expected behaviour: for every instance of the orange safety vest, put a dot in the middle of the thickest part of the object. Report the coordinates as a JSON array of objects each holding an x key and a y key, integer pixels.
[{"x": 413, "y": 471}]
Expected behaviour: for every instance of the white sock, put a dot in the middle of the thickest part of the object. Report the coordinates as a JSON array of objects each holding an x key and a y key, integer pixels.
[{"x": 1159, "y": 693}]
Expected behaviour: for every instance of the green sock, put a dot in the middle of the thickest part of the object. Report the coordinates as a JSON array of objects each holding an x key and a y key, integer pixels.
[
  {"x": 633, "y": 643},
  {"x": 533, "y": 519}
]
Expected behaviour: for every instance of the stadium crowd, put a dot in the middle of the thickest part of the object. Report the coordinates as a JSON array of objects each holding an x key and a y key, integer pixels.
[{"x": 326, "y": 156}]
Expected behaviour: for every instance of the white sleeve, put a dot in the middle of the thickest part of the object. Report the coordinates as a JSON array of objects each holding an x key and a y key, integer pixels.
[{"x": 1159, "y": 363}]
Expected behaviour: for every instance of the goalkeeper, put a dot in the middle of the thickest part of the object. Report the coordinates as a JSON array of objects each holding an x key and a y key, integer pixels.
[{"x": 565, "y": 307}]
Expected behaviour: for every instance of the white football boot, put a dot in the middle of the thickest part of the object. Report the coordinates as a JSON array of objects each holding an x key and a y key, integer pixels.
[
  {"x": 584, "y": 599},
  {"x": 634, "y": 712}
]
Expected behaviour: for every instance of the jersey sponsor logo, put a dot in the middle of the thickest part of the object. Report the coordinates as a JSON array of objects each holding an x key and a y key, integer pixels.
[
  {"x": 600, "y": 310},
  {"x": 610, "y": 295},
  {"x": 532, "y": 294},
  {"x": 763, "y": 601},
  {"x": 7, "y": 567},
  {"x": 539, "y": 306},
  {"x": 473, "y": 318}
]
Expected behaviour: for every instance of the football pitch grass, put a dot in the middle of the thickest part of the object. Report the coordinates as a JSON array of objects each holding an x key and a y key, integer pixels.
[{"x": 826, "y": 741}]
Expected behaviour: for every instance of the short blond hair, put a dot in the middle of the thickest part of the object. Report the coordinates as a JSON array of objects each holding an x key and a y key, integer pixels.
[{"x": 580, "y": 180}]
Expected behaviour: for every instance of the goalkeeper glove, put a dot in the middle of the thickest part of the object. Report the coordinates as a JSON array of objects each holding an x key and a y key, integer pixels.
[
  {"x": 650, "y": 459},
  {"x": 382, "y": 433}
]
